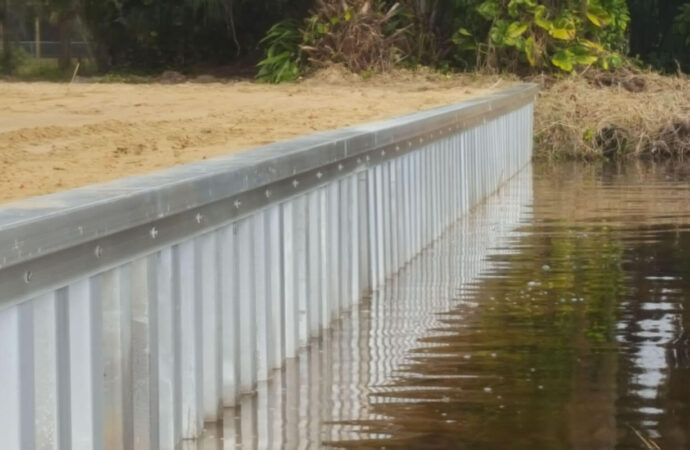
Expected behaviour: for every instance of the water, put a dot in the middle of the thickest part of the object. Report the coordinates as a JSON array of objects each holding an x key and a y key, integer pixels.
[{"x": 552, "y": 318}]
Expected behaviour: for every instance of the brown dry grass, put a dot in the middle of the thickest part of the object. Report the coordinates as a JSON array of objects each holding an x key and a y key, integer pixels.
[
  {"x": 355, "y": 36},
  {"x": 623, "y": 115}
]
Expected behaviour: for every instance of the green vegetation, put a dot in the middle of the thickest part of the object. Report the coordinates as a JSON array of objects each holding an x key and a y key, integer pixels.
[
  {"x": 611, "y": 44},
  {"x": 521, "y": 36},
  {"x": 283, "y": 53},
  {"x": 564, "y": 37}
]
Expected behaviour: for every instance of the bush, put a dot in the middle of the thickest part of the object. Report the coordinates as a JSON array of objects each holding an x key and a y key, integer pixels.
[
  {"x": 353, "y": 33},
  {"x": 529, "y": 34},
  {"x": 283, "y": 55},
  {"x": 13, "y": 58}
]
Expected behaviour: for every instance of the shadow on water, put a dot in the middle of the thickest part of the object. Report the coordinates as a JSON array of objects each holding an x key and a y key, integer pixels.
[{"x": 553, "y": 318}]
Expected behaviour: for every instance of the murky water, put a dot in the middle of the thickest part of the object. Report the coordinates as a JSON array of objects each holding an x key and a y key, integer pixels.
[{"x": 554, "y": 317}]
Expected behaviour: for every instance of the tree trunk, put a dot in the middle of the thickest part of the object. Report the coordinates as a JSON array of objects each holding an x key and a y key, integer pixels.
[
  {"x": 65, "y": 55},
  {"x": 6, "y": 60},
  {"x": 5, "y": 31},
  {"x": 37, "y": 37}
]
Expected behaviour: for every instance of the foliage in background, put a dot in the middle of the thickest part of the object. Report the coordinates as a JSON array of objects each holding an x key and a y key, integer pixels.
[
  {"x": 681, "y": 34},
  {"x": 154, "y": 34},
  {"x": 352, "y": 33},
  {"x": 283, "y": 55},
  {"x": 527, "y": 35},
  {"x": 659, "y": 32},
  {"x": 358, "y": 34},
  {"x": 366, "y": 35}
]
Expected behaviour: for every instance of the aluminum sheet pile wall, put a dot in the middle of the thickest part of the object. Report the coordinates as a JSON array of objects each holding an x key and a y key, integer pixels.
[{"x": 133, "y": 312}]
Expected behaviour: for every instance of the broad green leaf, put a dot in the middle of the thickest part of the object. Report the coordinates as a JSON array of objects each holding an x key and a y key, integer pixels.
[
  {"x": 348, "y": 15},
  {"x": 585, "y": 60},
  {"x": 597, "y": 14},
  {"x": 498, "y": 33},
  {"x": 464, "y": 40},
  {"x": 563, "y": 29},
  {"x": 563, "y": 59},
  {"x": 592, "y": 45},
  {"x": 594, "y": 19},
  {"x": 562, "y": 33},
  {"x": 514, "y": 7},
  {"x": 489, "y": 9},
  {"x": 615, "y": 60},
  {"x": 540, "y": 19},
  {"x": 517, "y": 42},
  {"x": 516, "y": 29}
]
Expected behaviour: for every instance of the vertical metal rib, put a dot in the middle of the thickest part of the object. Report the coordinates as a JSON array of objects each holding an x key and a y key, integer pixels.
[{"x": 142, "y": 354}]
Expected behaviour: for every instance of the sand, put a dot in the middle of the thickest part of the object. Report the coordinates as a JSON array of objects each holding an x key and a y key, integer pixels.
[{"x": 60, "y": 136}]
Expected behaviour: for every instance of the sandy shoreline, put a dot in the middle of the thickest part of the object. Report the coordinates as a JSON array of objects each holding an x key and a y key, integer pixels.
[{"x": 58, "y": 136}]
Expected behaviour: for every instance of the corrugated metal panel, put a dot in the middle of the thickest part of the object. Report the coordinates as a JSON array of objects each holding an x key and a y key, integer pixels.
[{"x": 133, "y": 337}]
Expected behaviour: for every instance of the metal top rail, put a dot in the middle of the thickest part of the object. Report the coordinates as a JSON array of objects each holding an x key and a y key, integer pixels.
[{"x": 49, "y": 239}]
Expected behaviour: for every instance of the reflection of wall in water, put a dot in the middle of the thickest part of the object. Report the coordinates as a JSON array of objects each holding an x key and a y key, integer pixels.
[{"x": 333, "y": 379}]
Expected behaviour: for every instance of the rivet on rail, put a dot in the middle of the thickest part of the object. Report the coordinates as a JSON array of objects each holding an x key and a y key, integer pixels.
[
  {"x": 340, "y": 167},
  {"x": 295, "y": 183},
  {"x": 98, "y": 251},
  {"x": 268, "y": 193},
  {"x": 153, "y": 233},
  {"x": 237, "y": 204},
  {"x": 319, "y": 175},
  {"x": 27, "y": 276},
  {"x": 198, "y": 218}
]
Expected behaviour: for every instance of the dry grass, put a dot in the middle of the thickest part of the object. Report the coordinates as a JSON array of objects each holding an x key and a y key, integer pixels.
[
  {"x": 628, "y": 114},
  {"x": 356, "y": 36}
]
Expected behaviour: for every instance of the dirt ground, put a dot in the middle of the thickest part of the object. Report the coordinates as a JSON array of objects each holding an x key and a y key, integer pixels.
[{"x": 61, "y": 136}]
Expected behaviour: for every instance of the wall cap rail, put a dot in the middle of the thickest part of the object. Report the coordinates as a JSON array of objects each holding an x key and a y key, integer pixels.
[{"x": 49, "y": 241}]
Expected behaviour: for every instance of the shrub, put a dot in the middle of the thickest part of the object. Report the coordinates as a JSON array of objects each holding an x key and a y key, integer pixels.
[
  {"x": 545, "y": 36},
  {"x": 283, "y": 55}
]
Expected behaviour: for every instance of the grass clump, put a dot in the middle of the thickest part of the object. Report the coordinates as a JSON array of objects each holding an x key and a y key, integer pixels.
[{"x": 613, "y": 115}]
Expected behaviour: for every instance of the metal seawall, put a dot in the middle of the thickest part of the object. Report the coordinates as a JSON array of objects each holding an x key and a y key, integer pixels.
[{"x": 133, "y": 312}]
